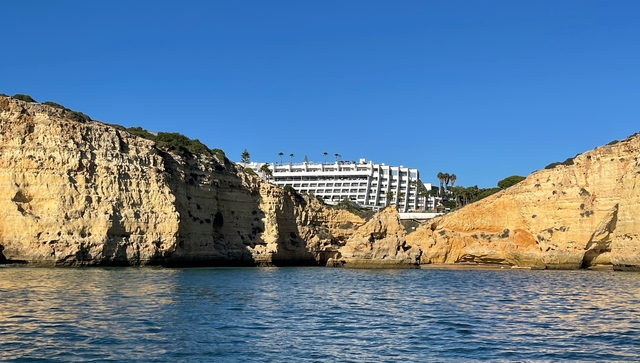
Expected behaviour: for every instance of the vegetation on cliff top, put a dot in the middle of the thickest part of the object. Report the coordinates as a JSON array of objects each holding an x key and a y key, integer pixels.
[
  {"x": 25, "y": 98},
  {"x": 465, "y": 195},
  {"x": 178, "y": 143},
  {"x": 69, "y": 113},
  {"x": 347, "y": 205},
  {"x": 510, "y": 181},
  {"x": 171, "y": 141},
  {"x": 73, "y": 115},
  {"x": 567, "y": 162}
]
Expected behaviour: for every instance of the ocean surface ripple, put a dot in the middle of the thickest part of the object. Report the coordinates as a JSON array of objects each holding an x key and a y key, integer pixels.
[{"x": 317, "y": 315}]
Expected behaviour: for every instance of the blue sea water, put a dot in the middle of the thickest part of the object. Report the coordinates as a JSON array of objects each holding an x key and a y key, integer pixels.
[{"x": 317, "y": 315}]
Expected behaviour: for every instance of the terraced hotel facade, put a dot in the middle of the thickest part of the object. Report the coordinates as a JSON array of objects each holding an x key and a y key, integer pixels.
[{"x": 362, "y": 182}]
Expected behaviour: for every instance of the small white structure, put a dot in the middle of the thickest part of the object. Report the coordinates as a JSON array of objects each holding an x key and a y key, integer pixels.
[{"x": 363, "y": 182}]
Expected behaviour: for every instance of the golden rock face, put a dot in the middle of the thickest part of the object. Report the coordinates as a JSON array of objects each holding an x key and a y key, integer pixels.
[
  {"x": 575, "y": 216},
  {"x": 79, "y": 193},
  {"x": 86, "y": 193}
]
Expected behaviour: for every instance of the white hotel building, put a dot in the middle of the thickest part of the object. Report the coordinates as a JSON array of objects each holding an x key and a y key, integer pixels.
[{"x": 364, "y": 183}]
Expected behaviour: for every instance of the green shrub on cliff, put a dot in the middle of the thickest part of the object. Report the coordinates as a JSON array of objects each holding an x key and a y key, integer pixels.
[
  {"x": 485, "y": 192},
  {"x": 567, "y": 162},
  {"x": 180, "y": 144},
  {"x": 78, "y": 116},
  {"x": 219, "y": 154},
  {"x": 140, "y": 132},
  {"x": 175, "y": 142},
  {"x": 54, "y": 105},
  {"x": 25, "y": 98},
  {"x": 70, "y": 114},
  {"x": 510, "y": 181}
]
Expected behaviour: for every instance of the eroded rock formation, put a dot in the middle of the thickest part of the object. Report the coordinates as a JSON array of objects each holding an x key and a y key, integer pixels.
[
  {"x": 77, "y": 192},
  {"x": 381, "y": 242},
  {"x": 86, "y": 193},
  {"x": 568, "y": 217}
]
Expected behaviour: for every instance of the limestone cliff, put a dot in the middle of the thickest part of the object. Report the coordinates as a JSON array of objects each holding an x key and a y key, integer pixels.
[
  {"x": 77, "y": 192},
  {"x": 80, "y": 192},
  {"x": 381, "y": 242},
  {"x": 575, "y": 216}
]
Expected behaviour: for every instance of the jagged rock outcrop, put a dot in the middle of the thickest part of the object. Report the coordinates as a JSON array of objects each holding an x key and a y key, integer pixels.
[
  {"x": 569, "y": 217},
  {"x": 381, "y": 242},
  {"x": 80, "y": 192},
  {"x": 77, "y": 192}
]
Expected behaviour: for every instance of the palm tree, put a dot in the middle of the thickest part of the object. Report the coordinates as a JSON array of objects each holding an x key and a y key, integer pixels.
[
  {"x": 440, "y": 177},
  {"x": 453, "y": 179},
  {"x": 266, "y": 171},
  {"x": 458, "y": 193},
  {"x": 280, "y": 153},
  {"x": 325, "y": 157},
  {"x": 389, "y": 196},
  {"x": 423, "y": 193},
  {"x": 337, "y": 157},
  {"x": 290, "y": 159},
  {"x": 447, "y": 177}
]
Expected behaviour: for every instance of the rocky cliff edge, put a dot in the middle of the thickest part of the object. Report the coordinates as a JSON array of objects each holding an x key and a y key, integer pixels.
[
  {"x": 583, "y": 215},
  {"x": 78, "y": 192}
]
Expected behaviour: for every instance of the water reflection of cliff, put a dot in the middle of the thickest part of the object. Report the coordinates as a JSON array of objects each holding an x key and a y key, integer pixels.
[
  {"x": 316, "y": 314},
  {"x": 49, "y": 314}
]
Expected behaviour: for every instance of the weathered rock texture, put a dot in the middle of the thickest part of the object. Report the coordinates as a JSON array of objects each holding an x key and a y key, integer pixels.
[
  {"x": 381, "y": 242},
  {"x": 86, "y": 193},
  {"x": 569, "y": 217}
]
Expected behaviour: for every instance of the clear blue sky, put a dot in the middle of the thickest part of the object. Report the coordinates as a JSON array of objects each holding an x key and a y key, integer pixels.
[{"x": 480, "y": 89}]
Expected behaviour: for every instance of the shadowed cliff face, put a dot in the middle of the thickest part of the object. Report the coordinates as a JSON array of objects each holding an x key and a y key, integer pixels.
[
  {"x": 230, "y": 217},
  {"x": 85, "y": 193},
  {"x": 575, "y": 216}
]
